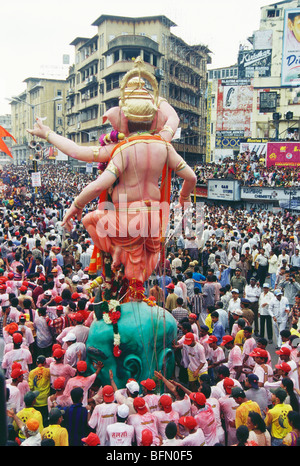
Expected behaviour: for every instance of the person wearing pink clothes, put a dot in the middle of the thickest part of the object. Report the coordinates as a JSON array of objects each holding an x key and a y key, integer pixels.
[
  {"x": 149, "y": 395},
  {"x": 82, "y": 380},
  {"x": 58, "y": 368},
  {"x": 143, "y": 419},
  {"x": 205, "y": 418},
  {"x": 165, "y": 414},
  {"x": 194, "y": 436}
]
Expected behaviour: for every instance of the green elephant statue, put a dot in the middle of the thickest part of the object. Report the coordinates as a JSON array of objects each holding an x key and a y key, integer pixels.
[{"x": 144, "y": 343}]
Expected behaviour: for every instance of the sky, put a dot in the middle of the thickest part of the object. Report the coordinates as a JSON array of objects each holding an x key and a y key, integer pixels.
[{"x": 35, "y": 35}]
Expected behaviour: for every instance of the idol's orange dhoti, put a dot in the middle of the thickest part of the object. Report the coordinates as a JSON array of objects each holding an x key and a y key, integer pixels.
[{"x": 131, "y": 233}]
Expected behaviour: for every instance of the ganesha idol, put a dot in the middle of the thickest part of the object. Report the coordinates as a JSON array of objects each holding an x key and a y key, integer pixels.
[
  {"x": 134, "y": 346},
  {"x": 137, "y": 161}
]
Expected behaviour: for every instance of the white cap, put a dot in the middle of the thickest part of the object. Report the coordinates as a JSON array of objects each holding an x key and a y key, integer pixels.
[
  {"x": 85, "y": 277},
  {"x": 48, "y": 293},
  {"x": 75, "y": 278},
  {"x": 69, "y": 337},
  {"x": 235, "y": 290},
  {"x": 61, "y": 276},
  {"x": 266, "y": 285},
  {"x": 238, "y": 312},
  {"x": 123, "y": 411},
  {"x": 133, "y": 386}
]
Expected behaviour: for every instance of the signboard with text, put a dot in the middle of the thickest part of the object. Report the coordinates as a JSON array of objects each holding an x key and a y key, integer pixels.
[
  {"x": 283, "y": 154},
  {"x": 224, "y": 190}
]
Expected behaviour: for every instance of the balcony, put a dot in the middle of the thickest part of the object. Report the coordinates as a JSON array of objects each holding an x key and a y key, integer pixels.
[{"x": 132, "y": 41}]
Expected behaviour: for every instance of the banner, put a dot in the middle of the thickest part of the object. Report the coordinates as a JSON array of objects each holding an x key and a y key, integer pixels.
[
  {"x": 224, "y": 190},
  {"x": 36, "y": 179},
  {"x": 283, "y": 154},
  {"x": 290, "y": 70},
  {"x": 251, "y": 61}
]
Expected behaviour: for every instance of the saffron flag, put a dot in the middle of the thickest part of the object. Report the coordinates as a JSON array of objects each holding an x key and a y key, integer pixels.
[{"x": 3, "y": 147}]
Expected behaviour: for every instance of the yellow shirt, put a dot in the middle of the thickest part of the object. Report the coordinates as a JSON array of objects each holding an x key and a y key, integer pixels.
[
  {"x": 242, "y": 411},
  {"x": 28, "y": 413},
  {"x": 239, "y": 339},
  {"x": 277, "y": 418},
  {"x": 209, "y": 323},
  {"x": 39, "y": 379},
  {"x": 58, "y": 434}
]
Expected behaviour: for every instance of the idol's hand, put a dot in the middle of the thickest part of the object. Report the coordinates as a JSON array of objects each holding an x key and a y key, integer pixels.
[
  {"x": 72, "y": 213},
  {"x": 40, "y": 130}
]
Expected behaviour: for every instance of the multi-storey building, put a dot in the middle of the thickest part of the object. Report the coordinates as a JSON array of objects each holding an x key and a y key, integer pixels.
[
  {"x": 44, "y": 98},
  {"x": 260, "y": 101},
  {"x": 102, "y": 60}
]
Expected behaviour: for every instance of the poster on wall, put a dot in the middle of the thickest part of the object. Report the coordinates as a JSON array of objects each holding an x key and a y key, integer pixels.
[
  {"x": 283, "y": 154},
  {"x": 234, "y": 106},
  {"x": 252, "y": 61},
  {"x": 290, "y": 69}
]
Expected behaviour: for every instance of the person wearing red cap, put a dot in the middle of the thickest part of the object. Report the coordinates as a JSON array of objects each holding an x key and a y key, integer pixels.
[
  {"x": 14, "y": 399},
  {"x": 57, "y": 324},
  {"x": 149, "y": 394},
  {"x": 194, "y": 356},
  {"x": 171, "y": 301},
  {"x": 18, "y": 353},
  {"x": 165, "y": 414},
  {"x": 215, "y": 356},
  {"x": 234, "y": 358},
  {"x": 261, "y": 368},
  {"x": 284, "y": 354},
  {"x": 58, "y": 368},
  {"x": 194, "y": 436},
  {"x": 92, "y": 440},
  {"x": 80, "y": 329},
  {"x": 17, "y": 380},
  {"x": 205, "y": 417},
  {"x": 58, "y": 399},
  {"x": 141, "y": 419},
  {"x": 104, "y": 414},
  {"x": 81, "y": 379},
  {"x": 147, "y": 438},
  {"x": 228, "y": 407}
]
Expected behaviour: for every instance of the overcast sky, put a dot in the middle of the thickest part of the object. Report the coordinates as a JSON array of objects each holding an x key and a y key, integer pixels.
[{"x": 34, "y": 35}]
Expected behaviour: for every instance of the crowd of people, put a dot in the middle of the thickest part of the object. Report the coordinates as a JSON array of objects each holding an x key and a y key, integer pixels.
[
  {"x": 250, "y": 170},
  {"x": 229, "y": 278}
]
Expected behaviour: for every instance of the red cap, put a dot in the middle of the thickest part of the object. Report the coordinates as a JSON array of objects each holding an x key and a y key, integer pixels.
[
  {"x": 10, "y": 275},
  {"x": 25, "y": 284},
  {"x": 81, "y": 366},
  {"x": 259, "y": 352},
  {"x": 17, "y": 373},
  {"x": 91, "y": 440},
  {"x": 42, "y": 278},
  {"x": 17, "y": 338},
  {"x": 149, "y": 384},
  {"x": 193, "y": 316},
  {"x": 140, "y": 405},
  {"x": 108, "y": 393},
  {"x": 198, "y": 397},
  {"x": 171, "y": 286},
  {"x": 147, "y": 438},
  {"x": 59, "y": 383},
  {"x": 228, "y": 384},
  {"x": 212, "y": 339},
  {"x": 166, "y": 402},
  {"x": 78, "y": 317},
  {"x": 3, "y": 287},
  {"x": 75, "y": 296},
  {"x": 58, "y": 353},
  {"x": 23, "y": 288},
  {"x": 188, "y": 421},
  {"x": 59, "y": 308},
  {"x": 284, "y": 350},
  {"x": 58, "y": 299},
  {"x": 226, "y": 339},
  {"x": 189, "y": 338},
  {"x": 283, "y": 366}
]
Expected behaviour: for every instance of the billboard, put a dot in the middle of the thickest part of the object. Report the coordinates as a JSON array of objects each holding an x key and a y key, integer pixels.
[
  {"x": 223, "y": 190},
  {"x": 251, "y": 61},
  {"x": 290, "y": 69},
  {"x": 234, "y": 106},
  {"x": 283, "y": 154}
]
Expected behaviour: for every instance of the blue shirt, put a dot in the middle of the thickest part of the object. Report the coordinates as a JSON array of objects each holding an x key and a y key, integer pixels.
[
  {"x": 218, "y": 331},
  {"x": 198, "y": 276}
]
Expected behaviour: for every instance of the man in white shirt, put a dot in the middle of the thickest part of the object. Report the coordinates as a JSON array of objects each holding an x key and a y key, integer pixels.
[
  {"x": 120, "y": 433},
  {"x": 279, "y": 310},
  {"x": 193, "y": 353},
  {"x": 263, "y": 311}
]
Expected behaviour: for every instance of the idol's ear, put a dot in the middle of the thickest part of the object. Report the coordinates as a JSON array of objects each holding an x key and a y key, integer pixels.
[
  {"x": 117, "y": 119},
  {"x": 132, "y": 364},
  {"x": 165, "y": 116},
  {"x": 166, "y": 362}
]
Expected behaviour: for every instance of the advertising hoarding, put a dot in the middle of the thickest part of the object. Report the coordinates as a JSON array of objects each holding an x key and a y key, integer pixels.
[
  {"x": 290, "y": 68},
  {"x": 283, "y": 154},
  {"x": 224, "y": 190}
]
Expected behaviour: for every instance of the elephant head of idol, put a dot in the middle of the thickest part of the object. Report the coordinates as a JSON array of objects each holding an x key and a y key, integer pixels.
[{"x": 143, "y": 345}]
